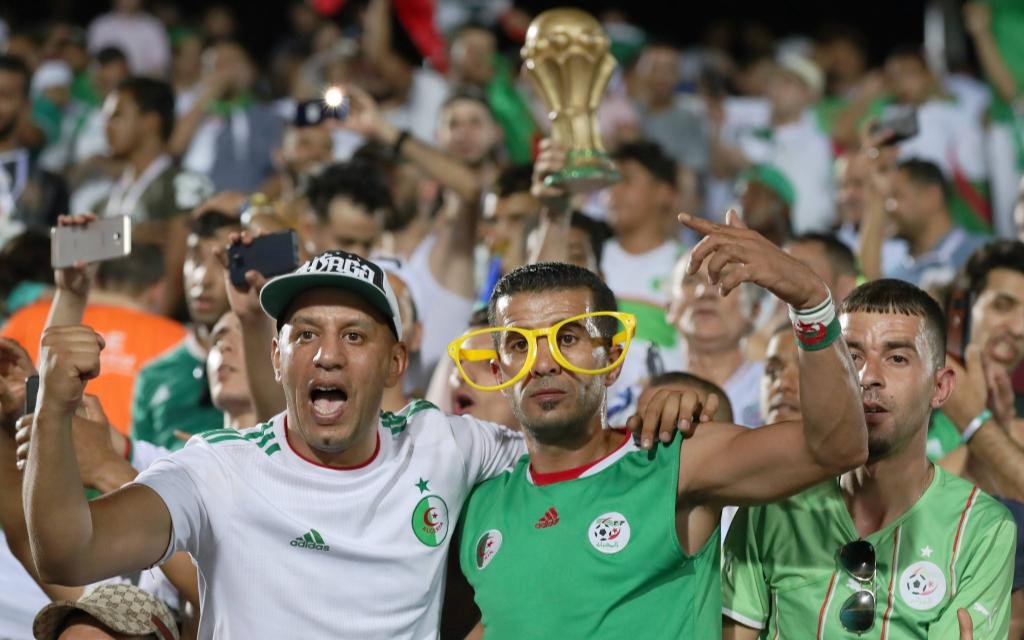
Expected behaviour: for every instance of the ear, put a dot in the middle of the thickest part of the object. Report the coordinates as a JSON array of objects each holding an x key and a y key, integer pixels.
[
  {"x": 275, "y": 358},
  {"x": 397, "y": 365},
  {"x": 613, "y": 375},
  {"x": 944, "y": 381}
]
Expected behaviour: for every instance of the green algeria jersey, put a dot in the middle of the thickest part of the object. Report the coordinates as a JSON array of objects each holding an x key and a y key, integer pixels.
[
  {"x": 952, "y": 549},
  {"x": 593, "y": 557}
]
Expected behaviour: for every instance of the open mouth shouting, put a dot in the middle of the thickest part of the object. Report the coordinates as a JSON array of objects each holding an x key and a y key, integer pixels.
[{"x": 328, "y": 402}]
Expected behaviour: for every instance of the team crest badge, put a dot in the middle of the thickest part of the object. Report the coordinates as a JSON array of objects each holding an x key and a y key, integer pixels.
[
  {"x": 609, "y": 533},
  {"x": 922, "y": 585},
  {"x": 430, "y": 521},
  {"x": 487, "y": 547}
]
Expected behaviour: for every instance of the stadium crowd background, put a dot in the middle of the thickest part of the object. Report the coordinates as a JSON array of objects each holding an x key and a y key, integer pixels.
[{"x": 180, "y": 119}]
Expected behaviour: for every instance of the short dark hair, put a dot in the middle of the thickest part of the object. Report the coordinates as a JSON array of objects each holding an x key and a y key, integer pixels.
[
  {"x": 134, "y": 273},
  {"x": 897, "y": 296},
  {"x": 906, "y": 50},
  {"x": 17, "y": 66},
  {"x": 598, "y": 232},
  {"x": 516, "y": 178},
  {"x": 652, "y": 157},
  {"x": 689, "y": 379},
  {"x": 554, "y": 276},
  {"x": 109, "y": 55},
  {"x": 207, "y": 223},
  {"x": 471, "y": 93},
  {"x": 925, "y": 174},
  {"x": 152, "y": 96},
  {"x": 839, "y": 256},
  {"x": 997, "y": 254},
  {"x": 358, "y": 180},
  {"x": 479, "y": 318}
]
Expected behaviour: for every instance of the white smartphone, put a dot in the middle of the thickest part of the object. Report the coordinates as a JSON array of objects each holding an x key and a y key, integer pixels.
[{"x": 104, "y": 239}]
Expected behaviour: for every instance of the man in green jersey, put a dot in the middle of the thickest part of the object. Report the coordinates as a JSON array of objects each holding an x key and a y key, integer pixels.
[
  {"x": 594, "y": 536},
  {"x": 895, "y": 547}
]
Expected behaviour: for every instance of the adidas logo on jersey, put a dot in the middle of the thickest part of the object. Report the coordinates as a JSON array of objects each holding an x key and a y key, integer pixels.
[
  {"x": 549, "y": 519},
  {"x": 311, "y": 540}
]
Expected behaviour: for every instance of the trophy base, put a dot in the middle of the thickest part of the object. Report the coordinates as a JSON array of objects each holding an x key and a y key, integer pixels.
[{"x": 585, "y": 171}]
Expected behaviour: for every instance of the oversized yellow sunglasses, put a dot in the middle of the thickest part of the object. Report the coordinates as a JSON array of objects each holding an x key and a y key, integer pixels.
[{"x": 581, "y": 344}]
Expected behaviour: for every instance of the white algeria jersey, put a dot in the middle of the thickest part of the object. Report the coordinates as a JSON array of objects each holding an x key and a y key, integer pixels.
[{"x": 287, "y": 548}]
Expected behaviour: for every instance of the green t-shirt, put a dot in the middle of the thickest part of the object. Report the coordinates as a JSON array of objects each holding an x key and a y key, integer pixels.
[
  {"x": 593, "y": 557},
  {"x": 1008, "y": 31},
  {"x": 952, "y": 549},
  {"x": 943, "y": 436},
  {"x": 172, "y": 393}
]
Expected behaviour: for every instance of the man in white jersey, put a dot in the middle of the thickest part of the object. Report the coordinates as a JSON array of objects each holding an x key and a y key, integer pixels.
[{"x": 330, "y": 521}]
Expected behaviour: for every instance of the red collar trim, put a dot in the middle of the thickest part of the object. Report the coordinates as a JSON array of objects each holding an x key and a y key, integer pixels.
[
  {"x": 373, "y": 457},
  {"x": 542, "y": 479}
]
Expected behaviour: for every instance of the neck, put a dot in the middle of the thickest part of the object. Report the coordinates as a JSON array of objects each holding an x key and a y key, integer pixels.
[
  {"x": 239, "y": 416},
  {"x": 592, "y": 445},
  {"x": 879, "y": 492},
  {"x": 714, "y": 364},
  {"x": 198, "y": 339},
  {"x": 642, "y": 238},
  {"x": 394, "y": 398},
  {"x": 142, "y": 157},
  {"x": 931, "y": 235},
  {"x": 780, "y": 118}
]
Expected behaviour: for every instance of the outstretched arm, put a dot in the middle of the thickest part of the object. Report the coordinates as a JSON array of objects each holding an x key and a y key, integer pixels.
[
  {"x": 552, "y": 241},
  {"x": 978, "y": 20},
  {"x": 751, "y": 466},
  {"x": 74, "y": 541}
]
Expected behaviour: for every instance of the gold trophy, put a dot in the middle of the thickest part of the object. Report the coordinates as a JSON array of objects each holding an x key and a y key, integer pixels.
[{"x": 566, "y": 57}]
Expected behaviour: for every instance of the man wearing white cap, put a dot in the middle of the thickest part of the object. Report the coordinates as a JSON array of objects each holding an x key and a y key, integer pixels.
[
  {"x": 794, "y": 142},
  {"x": 329, "y": 521}
]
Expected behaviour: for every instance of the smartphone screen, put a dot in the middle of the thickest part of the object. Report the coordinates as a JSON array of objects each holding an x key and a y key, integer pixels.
[{"x": 958, "y": 322}]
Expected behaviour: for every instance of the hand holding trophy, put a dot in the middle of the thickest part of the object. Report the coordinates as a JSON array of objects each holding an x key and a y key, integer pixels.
[{"x": 566, "y": 58}]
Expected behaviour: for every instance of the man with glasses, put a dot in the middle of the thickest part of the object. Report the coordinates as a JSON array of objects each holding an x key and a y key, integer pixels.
[
  {"x": 593, "y": 535},
  {"x": 895, "y": 547}
]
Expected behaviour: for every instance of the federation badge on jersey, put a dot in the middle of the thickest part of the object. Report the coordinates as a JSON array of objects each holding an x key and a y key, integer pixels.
[
  {"x": 487, "y": 547},
  {"x": 430, "y": 520},
  {"x": 922, "y": 585},
  {"x": 609, "y": 533}
]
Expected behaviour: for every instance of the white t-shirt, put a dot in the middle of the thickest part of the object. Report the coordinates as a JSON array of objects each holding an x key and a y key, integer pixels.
[
  {"x": 744, "y": 390},
  {"x": 287, "y": 548},
  {"x": 803, "y": 153},
  {"x": 949, "y": 138},
  {"x": 642, "y": 285}
]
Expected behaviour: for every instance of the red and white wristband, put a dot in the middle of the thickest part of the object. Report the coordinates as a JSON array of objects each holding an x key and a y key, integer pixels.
[{"x": 815, "y": 328}]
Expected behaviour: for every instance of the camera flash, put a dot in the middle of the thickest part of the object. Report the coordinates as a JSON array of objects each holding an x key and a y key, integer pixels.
[{"x": 333, "y": 97}]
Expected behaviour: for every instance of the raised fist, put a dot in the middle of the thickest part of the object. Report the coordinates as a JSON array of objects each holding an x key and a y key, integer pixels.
[{"x": 69, "y": 357}]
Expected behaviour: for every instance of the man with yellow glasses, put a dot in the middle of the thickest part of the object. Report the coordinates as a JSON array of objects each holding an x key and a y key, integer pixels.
[{"x": 592, "y": 535}]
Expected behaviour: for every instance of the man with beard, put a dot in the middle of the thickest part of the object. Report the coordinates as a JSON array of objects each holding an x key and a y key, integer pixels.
[
  {"x": 574, "y": 539},
  {"x": 29, "y": 197},
  {"x": 915, "y": 544}
]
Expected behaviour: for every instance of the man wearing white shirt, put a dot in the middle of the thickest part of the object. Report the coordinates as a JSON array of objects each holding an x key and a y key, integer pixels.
[{"x": 137, "y": 33}]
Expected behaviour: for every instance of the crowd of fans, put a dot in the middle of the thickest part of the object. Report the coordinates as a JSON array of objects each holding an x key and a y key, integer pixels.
[{"x": 434, "y": 168}]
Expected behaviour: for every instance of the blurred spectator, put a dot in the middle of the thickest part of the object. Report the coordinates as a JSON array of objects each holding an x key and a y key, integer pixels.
[
  {"x": 51, "y": 99},
  {"x": 151, "y": 190},
  {"x": 25, "y": 272},
  {"x": 225, "y": 369},
  {"x": 306, "y": 148},
  {"x": 30, "y": 197},
  {"x": 853, "y": 189},
  {"x": 637, "y": 262},
  {"x": 919, "y": 210},
  {"x": 171, "y": 393},
  {"x": 995, "y": 28},
  {"x": 405, "y": 391},
  {"x": 226, "y": 135},
  {"x": 712, "y": 329},
  {"x": 467, "y": 130},
  {"x": 793, "y": 142},
  {"x": 219, "y": 23},
  {"x": 510, "y": 213},
  {"x": 841, "y": 51},
  {"x": 766, "y": 199},
  {"x": 829, "y": 259},
  {"x": 476, "y": 62},
  {"x": 121, "y": 309},
  {"x": 186, "y": 69},
  {"x": 137, "y": 33},
  {"x": 348, "y": 201},
  {"x": 663, "y": 117},
  {"x": 92, "y": 172}
]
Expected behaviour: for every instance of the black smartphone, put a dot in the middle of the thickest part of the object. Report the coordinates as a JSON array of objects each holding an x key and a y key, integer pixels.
[
  {"x": 333, "y": 105},
  {"x": 31, "y": 391},
  {"x": 271, "y": 255},
  {"x": 901, "y": 122}
]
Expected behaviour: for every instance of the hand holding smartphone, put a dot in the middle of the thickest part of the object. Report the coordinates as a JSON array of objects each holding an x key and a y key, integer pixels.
[
  {"x": 902, "y": 122},
  {"x": 271, "y": 255},
  {"x": 102, "y": 239},
  {"x": 31, "y": 391}
]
